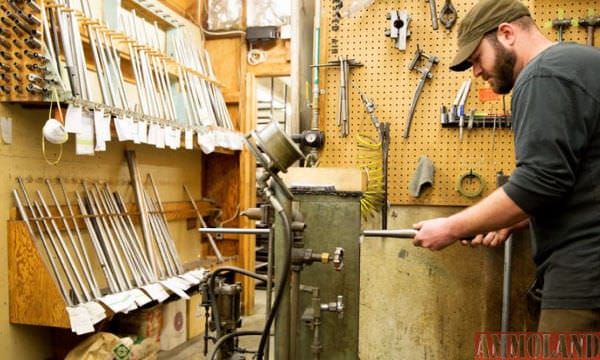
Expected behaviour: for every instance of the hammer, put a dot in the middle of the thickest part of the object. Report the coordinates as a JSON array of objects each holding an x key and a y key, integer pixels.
[
  {"x": 590, "y": 22},
  {"x": 560, "y": 24}
]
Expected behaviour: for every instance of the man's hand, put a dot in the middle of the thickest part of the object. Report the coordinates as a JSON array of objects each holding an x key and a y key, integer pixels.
[
  {"x": 490, "y": 239},
  {"x": 434, "y": 234}
]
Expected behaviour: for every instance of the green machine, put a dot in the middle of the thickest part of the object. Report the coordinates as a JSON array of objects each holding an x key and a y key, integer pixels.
[{"x": 318, "y": 317}]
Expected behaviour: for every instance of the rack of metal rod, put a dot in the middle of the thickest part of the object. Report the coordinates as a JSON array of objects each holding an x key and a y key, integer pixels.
[
  {"x": 43, "y": 51},
  {"x": 97, "y": 228}
]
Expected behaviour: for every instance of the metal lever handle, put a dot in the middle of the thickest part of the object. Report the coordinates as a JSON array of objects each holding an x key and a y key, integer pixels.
[{"x": 400, "y": 233}]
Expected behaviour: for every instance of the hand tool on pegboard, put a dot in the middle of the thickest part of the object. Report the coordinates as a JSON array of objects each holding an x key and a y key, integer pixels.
[
  {"x": 425, "y": 74},
  {"x": 448, "y": 15},
  {"x": 433, "y": 14},
  {"x": 561, "y": 23},
  {"x": 376, "y": 193},
  {"x": 399, "y": 21},
  {"x": 590, "y": 22},
  {"x": 345, "y": 64}
]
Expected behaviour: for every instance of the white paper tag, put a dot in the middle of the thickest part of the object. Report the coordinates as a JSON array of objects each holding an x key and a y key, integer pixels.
[
  {"x": 95, "y": 310},
  {"x": 73, "y": 119},
  {"x": 156, "y": 291},
  {"x": 6, "y": 126},
  {"x": 176, "y": 287},
  {"x": 84, "y": 139},
  {"x": 142, "y": 132},
  {"x": 189, "y": 139},
  {"x": 140, "y": 297},
  {"x": 119, "y": 302},
  {"x": 80, "y": 320},
  {"x": 160, "y": 137},
  {"x": 152, "y": 134}
]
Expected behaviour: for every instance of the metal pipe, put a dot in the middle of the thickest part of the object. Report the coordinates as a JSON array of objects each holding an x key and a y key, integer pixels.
[
  {"x": 139, "y": 265},
  {"x": 506, "y": 281},
  {"x": 163, "y": 253},
  {"x": 165, "y": 227},
  {"x": 400, "y": 233},
  {"x": 94, "y": 285},
  {"x": 105, "y": 241},
  {"x": 81, "y": 254},
  {"x": 119, "y": 238},
  {"x": 61, "y": 286},
  {"x": 220, "y": 230},
  {"x": 138, "y": 243},
  {"x": 136, "y": 184},
  {"x": 63, "y": 247},
  {"x": 105, "y": 265},
  {"x": 212, "y": 242}
]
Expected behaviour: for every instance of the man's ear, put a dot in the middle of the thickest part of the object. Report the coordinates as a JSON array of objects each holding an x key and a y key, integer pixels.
[{"x": 506, "y": 34}]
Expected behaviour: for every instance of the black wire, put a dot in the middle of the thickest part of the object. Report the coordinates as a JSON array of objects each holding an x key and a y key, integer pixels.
[
  {"x": 228, "y": 336},
  {"x": 282, "y": 285}
]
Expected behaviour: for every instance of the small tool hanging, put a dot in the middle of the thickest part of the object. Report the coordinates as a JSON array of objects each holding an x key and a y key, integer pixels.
[
  {"x": 425, "y": 74},
  {"x": 398, "y": 29},
  {"x": 377, "y": 165}
]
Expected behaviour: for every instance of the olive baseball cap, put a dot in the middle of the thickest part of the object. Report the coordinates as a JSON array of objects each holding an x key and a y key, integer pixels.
[{"x": 484, "y": 17}]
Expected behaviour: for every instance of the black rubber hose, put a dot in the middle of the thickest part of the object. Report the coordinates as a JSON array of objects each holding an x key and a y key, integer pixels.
[
  {"x": 222, "y": 340},
  {"x": 282, "y": 285}
]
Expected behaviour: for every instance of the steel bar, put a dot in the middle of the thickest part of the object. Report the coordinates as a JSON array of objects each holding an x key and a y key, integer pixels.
[
  {"x": 100, "y": 251},
  {"x": 78, "y": 297},
  {"x": 220, "y": 230},
  {"x": 63, "y": 246},
  {"x": 129, "y": 243},
  {"x": 78, "y": 247},
  {"x": 119, "y": 243},
  {"x": 138, "y": 243},
  {"x": 163, "y": 253},
  {"x": 68, "y": 53},
  {"x": 211, "y": 241},
  {"x": 104, "y": 242},
  {"x": 77, "y": 44},
  {"x": 137, "y": 188},
  {"x": 401, "y": 233},
  {"x": 32, "y": 209},
  {"x": 134, "y": 63},
  {"x": 164, "y": 225},
  {"x": 87, "y": 11},
  {"x": 53, "y": 266},
  {"x": 94, "y": 285},
  {"x": 109, "y": 240}
]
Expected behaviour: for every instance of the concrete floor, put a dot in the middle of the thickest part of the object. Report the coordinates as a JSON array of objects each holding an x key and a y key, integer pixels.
[{"x": 193, "y": 349}]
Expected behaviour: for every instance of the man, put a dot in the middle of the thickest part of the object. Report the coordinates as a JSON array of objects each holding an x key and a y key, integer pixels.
[{"x": 556, "y": 183}]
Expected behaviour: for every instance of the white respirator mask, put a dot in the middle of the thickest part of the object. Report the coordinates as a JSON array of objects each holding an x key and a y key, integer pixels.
[{"x": 54, "y": 132}]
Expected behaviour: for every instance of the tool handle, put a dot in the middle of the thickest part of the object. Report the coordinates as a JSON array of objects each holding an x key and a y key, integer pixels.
[
  {"x": 433, "y": 13},
  {"x": 400, "y": 233}
]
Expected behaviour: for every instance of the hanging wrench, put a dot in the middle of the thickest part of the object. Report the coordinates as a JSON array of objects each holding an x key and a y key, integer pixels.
[{"x": 448, "y": 15}]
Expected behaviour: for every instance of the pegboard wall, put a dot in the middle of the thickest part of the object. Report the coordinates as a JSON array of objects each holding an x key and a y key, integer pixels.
[{"x": 387, "y": 81}]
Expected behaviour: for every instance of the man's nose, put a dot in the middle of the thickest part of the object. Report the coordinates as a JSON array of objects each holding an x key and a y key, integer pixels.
[{"x": 476, "y": 70}]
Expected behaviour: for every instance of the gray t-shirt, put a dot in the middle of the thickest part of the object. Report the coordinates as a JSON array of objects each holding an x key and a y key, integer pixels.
[{"x": 556, "y": 119}]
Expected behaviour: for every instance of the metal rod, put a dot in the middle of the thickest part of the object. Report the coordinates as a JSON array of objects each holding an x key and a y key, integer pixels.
[
  {"x": 63, "y": 247},
  {"x": 119, "y": 243},
  {"x": 94, "y": 285},
  {"x": 401, "y": 233},
  {"x": 61, "y": 286},
  {"x": 105, "y": 241},
  {"x": 165, "y": 227},
  {"x": 130, "y": 236},
  {"x": 138, "y": 243},
  {"x": 212, "y": 242},
  {"x": 78, "y": 247},
  {"x": 136, "y": 184},
  {"x": 220, "y": 230},
  {"x": 163, "y": 253},
  {"x": 105, "y": 265}
]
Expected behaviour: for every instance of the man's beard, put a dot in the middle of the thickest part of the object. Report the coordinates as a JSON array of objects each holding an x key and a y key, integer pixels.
[{"x": 503, "y": 69}]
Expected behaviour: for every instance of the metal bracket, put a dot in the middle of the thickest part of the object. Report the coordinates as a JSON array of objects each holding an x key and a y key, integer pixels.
[{"x": 398, "y": 29}]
